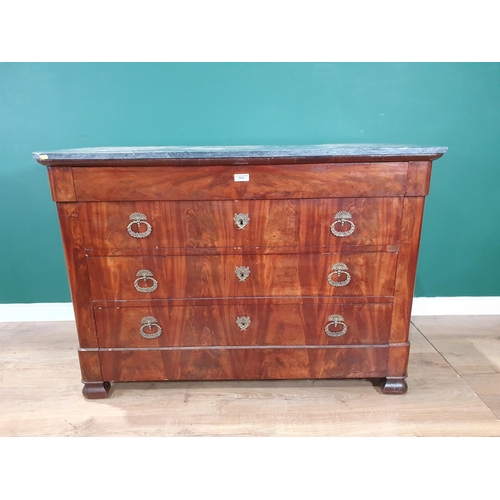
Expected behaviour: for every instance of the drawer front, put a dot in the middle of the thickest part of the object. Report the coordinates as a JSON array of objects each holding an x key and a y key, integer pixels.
[
  {"x": 309, "y": 275},
  {"x": 243, "y": 363},
  {"x": 110, "y": 227},
  {"x": 344, "y": 180},
  {"x": 243, "y": 325}
]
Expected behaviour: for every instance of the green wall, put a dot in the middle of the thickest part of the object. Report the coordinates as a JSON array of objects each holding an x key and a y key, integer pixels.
[{"x": 59, "y": 105}]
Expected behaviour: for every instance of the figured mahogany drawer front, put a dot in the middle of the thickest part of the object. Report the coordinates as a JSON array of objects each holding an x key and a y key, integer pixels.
[
  {"x": 206, "y": 276},
  {"x": 244, "y": 363},
  {"x": 233, "y": 182},
  {"x": 332, "y": 222},
  {"x": 243, "y": 325}
]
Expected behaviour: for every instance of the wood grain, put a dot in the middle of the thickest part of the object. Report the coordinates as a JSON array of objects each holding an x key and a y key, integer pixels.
[
  {"x": 419, "y": 178},
  {"x": 411, "y": 225},
  {"x": 397, "y": 365},
  {"x": 217, "y": 182},
  {"x": 76, "y": 265},
  {"x": 372, "y": 274},
  {"x": 210, "y": 224},
  {"x": 471, "y": 344},
  {"x": 61, "y": 184},
  {"x": 243, "y": 363},
  {"x": 271, "y": 324},
  {"x": 90, "y": 365}
]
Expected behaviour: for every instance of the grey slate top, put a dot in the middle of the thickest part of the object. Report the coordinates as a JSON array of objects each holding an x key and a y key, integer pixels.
[{"x": 206, "y": 152}]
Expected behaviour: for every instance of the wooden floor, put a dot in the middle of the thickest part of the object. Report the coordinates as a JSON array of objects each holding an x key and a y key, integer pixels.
[{"x": 454, "y": 390}]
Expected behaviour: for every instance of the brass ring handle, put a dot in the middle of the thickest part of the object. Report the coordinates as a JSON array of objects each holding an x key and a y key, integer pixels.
[
  {"x": 241, "y": 220},
  {"x": 338, "y": 269},
  {"x": 335, "y": 321},
  {"x": 242, "y": 272},
  {"x": 243, "y": 322},
  {"x": 150, "y": 322},
  {"x": 145, "y": 275},
  {"x": 139, "y": 219},
  {"x": 343, "y": 217}
]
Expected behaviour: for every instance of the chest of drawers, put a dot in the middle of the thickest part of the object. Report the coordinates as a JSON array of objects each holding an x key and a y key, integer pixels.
[{"x": 241, "y": 262}]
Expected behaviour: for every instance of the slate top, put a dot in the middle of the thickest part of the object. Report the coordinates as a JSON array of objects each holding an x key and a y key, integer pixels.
[{"x": 214, "y": 152}]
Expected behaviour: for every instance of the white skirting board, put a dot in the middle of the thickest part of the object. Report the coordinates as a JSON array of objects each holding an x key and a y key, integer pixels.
[
  {"x": 48, "y": 311},
  {"x": 455, "y": 306},
  {"x": 422, "y": 306}
]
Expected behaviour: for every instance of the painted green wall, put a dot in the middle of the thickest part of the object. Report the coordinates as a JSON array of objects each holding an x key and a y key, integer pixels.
[{"x": 56, "y": 106}]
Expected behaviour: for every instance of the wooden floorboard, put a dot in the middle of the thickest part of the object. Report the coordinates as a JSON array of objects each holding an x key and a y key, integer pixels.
[
  {"x": 454, "y": 390},
  {"x": 471, "y": 345}
]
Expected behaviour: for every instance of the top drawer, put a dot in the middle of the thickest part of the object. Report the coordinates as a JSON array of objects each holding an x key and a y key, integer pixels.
[{"x": 339, "y": 180}]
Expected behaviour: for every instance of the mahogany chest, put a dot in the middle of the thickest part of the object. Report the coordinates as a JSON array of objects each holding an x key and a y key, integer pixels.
[{"x": 232, "y": 263}]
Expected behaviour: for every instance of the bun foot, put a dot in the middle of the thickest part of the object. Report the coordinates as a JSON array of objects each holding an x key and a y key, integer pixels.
[
  {"x": 96, "y": 390},
  {"x": 394, "y": 385}
]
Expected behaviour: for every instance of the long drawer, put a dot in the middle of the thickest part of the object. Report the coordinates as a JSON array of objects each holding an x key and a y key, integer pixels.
[
  {"x": 243, "y": 363},
  {"x": 240, "y": 182},
  {"x": 205, "y": 276},
  {"x": 220, "y": 224},
  {"x": 243, "y": 325}
]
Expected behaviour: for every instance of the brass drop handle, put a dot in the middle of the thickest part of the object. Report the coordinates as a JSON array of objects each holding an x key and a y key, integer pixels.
[
  {"x": 241, "y": 220},
  {"x": 335, "y": 320},
  {"x": 342, "y": 218},
  {"x": 338, "y": 269},
  {"x": 139, "y": 219},
  {"x": 242, "y": 272},
  {"x": 243, "y": 322},
  {"x": 150, "y": 322},
  {"x": 145, "y": 275}
]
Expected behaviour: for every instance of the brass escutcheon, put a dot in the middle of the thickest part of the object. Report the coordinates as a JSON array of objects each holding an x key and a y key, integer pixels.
[
  {"x": 242, "y": 272},
  {"x": 243, "y": 322},
  {"x": 241, "y": 220}
]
